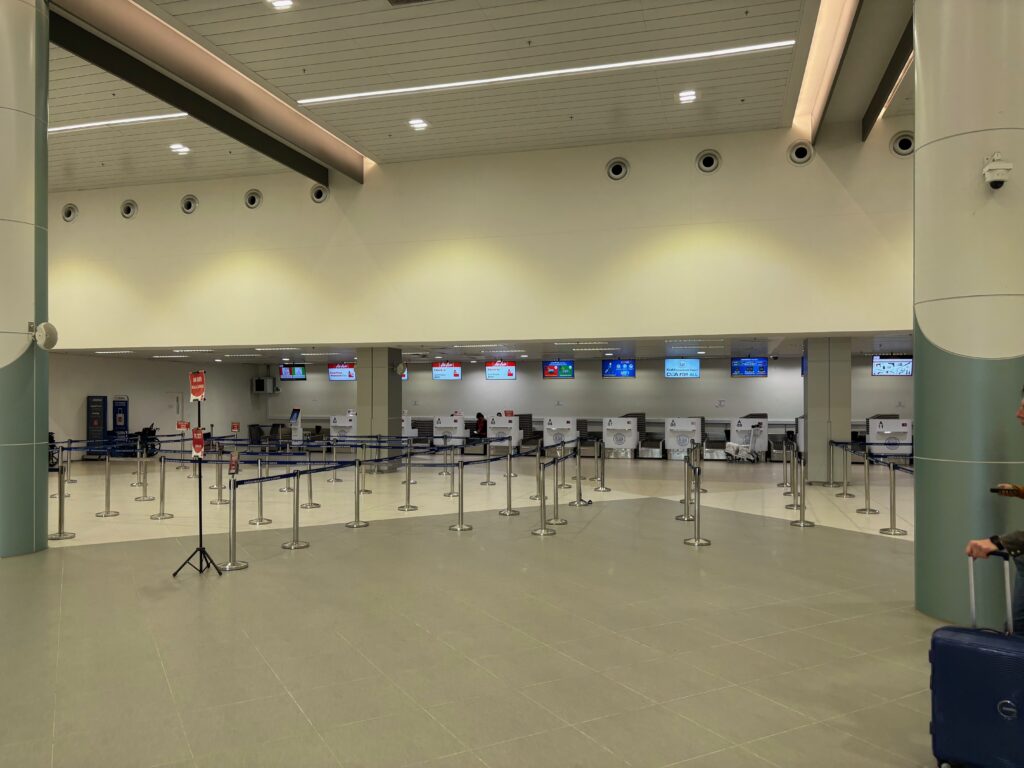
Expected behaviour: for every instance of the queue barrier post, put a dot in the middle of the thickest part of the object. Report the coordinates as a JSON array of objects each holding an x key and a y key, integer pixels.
[
  {"x": 181, "y": 451},
  {"x": 461, "y": 524},
  {"x": 295, "y": 543},
  {"x": 687, "y": 516},
  {"x": 794, "y": 489},
  {"x": 408, "y": 482},
  {"x": 287, "y": 484},
  {"x": 61, "y": 534},
  {"x": 356, "y": 522},
  {"x": 444, "y": 450},
  {"x": 362, "y": 477},
  {"x": 867, "y": 509},
  {"x": 543, "y": 530},
  {"x": 511, "y": 450},
  {"x": 785, "y": 465},
  {"x": 310, "y": 504},
  {"x": 334, "y": 460},
  {"x": 138, "y": 464},
  {"x": 892, "y": 530},
  {"x": 597, "y": 460},
  {"x": 556, "y": 519},
  {"x": 579, "y": 500},
  {"x": 561, "y": 466},
  {"x": 60, "y": 463},
  {"x": 696, "y": 540},
  {"x": 541, "y": 493},
  {"x": 107, "y": 511},
  {"x": 509, "y": 474},
  {"x": 145, "y": 484},
  {"x": 219, "y": 484},
  {"x": 487, "y": 448},
  {"x": 233, "y": 563},
  {"x": 68, "y": 480},
  {"x": 601, "y": 487},
  {"x": 831, "y": 460},
  {"x": 451, "y": 493},
  {"x": 802, "y": 521},
  {"x": 162, "y": 514},
  {"x": 847, "y": 458},
  {"x": 699, "y": 447},
  {"x": 260, "y": 519}
]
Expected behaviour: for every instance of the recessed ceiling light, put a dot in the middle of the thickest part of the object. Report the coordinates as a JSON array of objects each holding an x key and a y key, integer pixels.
[
  {"x": 217, "y": 360},
  {"x": 193, "y": 350},
  {"x": 117, "y": 352},
  {"x": 168, "y": 357},
  {"x": 701, "y": 352},
  {"x": 118, "y": 121},
  {"x": 281, "y": 5},
  {"x": 687, "y": 97},
  {"x": 606, "y": 354},
  {"x": 180, "y": 149},
  {"x": 285, "y": 360},
  {"x": 272, "y": 349},
  {"x": 437, "y": 357},
  {"x": 524, "y": 355},
  {"x": 472, "y": 361},
  {"x": 613, "y": 66},
  {"x": 418, "y": 125}
]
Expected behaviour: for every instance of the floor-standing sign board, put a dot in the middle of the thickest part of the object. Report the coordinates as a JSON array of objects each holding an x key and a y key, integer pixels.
[
  {"x": 197, "y": 386},
  {"x": 198, "y": 443},
  {"x": 120, "y": 407}
]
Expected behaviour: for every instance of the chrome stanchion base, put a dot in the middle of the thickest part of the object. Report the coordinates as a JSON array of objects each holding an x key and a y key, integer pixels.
[
  {"x": 451, "y": 494},
  {"x": 54, "y": 495},
  {"x": 864, "y": 511},
  {"x": 218, "y": 487},
  {"x": 161, "y": 516},
  {"x": 134, "y": 485},
  {"x": 177, "y": 467},
  {"x": 333, "y": 479},
  {"x": 792, "y": 506},
  {"x": 846, "y": 496},
  {"x": 697, "y": 542},
  {"x": 557, "y": 521},
  {"x": 505, "y": 474},
  {"x": 685, "y": 518},
  {"x": 145, "y": 498},
  {"x": 190, "y": 475},
  {"x": 70, "y": 481},
  {"x": 703, "y": 489},
  {"x": 309, "y": 505},
  {"x": 487, "y": 482},
  {"x": 285, "y": 490},
  {"x": 536, "y": 497},
  {"x": 407, "y": 508},
  {"x": 108, "y": 513},
  {"x": 444, "y": 473},
  {"x": 787, "y": 493},
  {"x": 234, "y": 565},
  {"x": 883, "y": 531},
  {"x": 801, "y": 523},
  {"x": 782, "y": 485},
  {"x": 602, "y": 489},
  {"x": 459, "y": 527},
  {"x": 581, "y": 503},
  {"x": 217, "y": 502},
  {"x": 565, "y": 486},
  {"x": 295, "y": 545},
  {"x": 830, "y": 485},
  {"x": 411, "y": 482},
  {"x": 61, "y": 536},
  {"x": 508, "y": 512},
  {"x": 365, "y": 491},
  {"x": 357, "y": 524},
  {"x": 543, "y": 531},
  {"x": 257, "y": 521}
]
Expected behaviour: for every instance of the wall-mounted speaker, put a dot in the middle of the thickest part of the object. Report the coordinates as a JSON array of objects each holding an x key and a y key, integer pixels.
[
  {"x": 708, "y": 161},
  {"x": 902, "y": 144},
  {"x": 800, "y": 152},
  {"x": 189, "y": 203},
  {"x": 129, "y": 208},
  {"x": 319, "y": 193},
  {"x": 69, "y": 212},
  {"x": 253, "y": 199},
  {"x": 617, "y": 168}
]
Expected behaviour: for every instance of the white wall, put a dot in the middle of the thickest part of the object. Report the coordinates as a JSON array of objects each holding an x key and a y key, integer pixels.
[
  {"x": 157, "y": 390},
  {"x": 780, "y": 394},
  {"x": 560, "y": 251}
]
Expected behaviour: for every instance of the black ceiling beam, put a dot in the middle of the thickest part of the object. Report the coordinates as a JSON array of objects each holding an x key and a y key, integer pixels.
[
  {"x": 94, "y": 49},
  {"x": 898, "y": 62}
]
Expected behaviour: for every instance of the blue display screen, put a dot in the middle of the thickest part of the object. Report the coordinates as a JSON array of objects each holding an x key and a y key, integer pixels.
[
  {"x": 618, "y": 369},
  {"x": 750, "y": 366},
  {"x": 682, "y": 368}
]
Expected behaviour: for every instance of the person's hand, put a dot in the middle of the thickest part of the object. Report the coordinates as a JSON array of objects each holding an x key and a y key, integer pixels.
[
  {"x": 980, "y": 548},
  {"x": 1009, "y": 489}
]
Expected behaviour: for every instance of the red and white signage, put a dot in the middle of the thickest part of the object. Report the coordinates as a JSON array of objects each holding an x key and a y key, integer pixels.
[
  {"x": 197, "y": 385},
  {"x": 445, "y": 371},
  {"x": 198, "y": 444},
  {"x": 233, "y": 463},
  {"x": 341, "y": 372},
  {"x": 236, "y": 427},
  {"x": 500, "y": 370},
  {"x": 184, "y": 426}
]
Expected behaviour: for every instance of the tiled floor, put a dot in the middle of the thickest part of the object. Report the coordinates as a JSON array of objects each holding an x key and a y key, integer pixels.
[
  {"x": 750, "y": 488},
  {"x": 609, "y": 644}
]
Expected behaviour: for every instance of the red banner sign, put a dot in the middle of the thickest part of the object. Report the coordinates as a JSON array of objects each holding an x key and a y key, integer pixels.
[
  {"x": 198, "y": 444},
  {"x": 184, "y": 426},
  {"x": 236, "y": 426},
  {"x": 233, "y": 463},
  {"x": 197, "y": 385}
]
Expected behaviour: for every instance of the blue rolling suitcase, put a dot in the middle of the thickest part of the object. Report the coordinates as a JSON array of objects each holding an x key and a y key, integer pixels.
[{"x": 978, "y": 691}]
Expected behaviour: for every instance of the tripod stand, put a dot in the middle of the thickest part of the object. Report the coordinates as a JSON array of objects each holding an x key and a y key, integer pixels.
[{"x": 205, "y": 561}]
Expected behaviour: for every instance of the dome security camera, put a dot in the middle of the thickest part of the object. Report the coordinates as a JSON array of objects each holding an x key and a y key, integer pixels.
[{"x": 996, "y": 170}]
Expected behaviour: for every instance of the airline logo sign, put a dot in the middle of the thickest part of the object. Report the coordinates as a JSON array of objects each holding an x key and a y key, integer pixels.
[
  {"x": 198, "y": 444},
  {"x": 197, "y": 385}
]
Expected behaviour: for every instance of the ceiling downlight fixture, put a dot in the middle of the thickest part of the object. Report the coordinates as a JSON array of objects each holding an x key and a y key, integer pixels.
[
  {"x": 180, "y": 149},
  {"x": 418, "y": 124},
  {"x": 526, "y": 76},
  {"x": 687, "y": 97}
]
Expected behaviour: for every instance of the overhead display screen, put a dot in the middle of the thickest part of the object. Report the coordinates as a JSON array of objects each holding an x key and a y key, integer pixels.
[
  {"x": 618, "y": 369},
  {"x": 682, "y": 368},
  {"x": 559, "y": 369},
  {"x": 447, "y": 371},
  {"x": 500, "y": 370},
  {"x": 341, "y": 372},
  {"x": 750, "y": 366},
  {"x": 892, "y": 366},
  {"x": 293, "y": 373}
]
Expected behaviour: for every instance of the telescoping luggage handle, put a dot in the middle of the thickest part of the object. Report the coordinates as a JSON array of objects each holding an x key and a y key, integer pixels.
[{"x": 1006, "y": 585}]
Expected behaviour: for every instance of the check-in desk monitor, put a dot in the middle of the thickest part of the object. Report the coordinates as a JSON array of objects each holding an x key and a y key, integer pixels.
[
  {"x": 295, "y": 421},
  {"x": 620, "y": 437},
  {"x": 559, "y": 429}
]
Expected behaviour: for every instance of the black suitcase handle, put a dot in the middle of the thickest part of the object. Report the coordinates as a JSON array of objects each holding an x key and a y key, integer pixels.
[{"x": 1007, "y": 590}]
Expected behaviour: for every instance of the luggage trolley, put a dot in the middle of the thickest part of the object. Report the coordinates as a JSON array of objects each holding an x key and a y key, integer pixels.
[{"x": 749, "y": 438}]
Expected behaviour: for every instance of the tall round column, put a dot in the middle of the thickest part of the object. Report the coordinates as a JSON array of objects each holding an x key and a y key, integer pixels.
[
  {"x": 968, "y": 294},
  {"x": 24, "y": 394}
]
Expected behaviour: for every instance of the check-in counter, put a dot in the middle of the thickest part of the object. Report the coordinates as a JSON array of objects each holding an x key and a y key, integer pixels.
[
  {"x": 505, "y": 426},
  {"x": 890, "y": 437},
  {"x": 681, "y": 433},
  {"x": 559, "y": 429},
  {"x": 620, "y": 437},
  {"x": 452, "y": 426}
]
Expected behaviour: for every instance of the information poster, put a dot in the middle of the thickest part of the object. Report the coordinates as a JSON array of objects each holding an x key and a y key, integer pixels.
[
  {"x": 341, "y": 372},
  {"x": 443, "y": 371},
  {"x": 743, "y": 367},
  {"x": 198, "y": 443},
  {"x": 559, "y": 369},
  {"x": 499, "y": 370},
  {"x": 618, "y": 369},
  {"x": 892, "y": 366}
]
